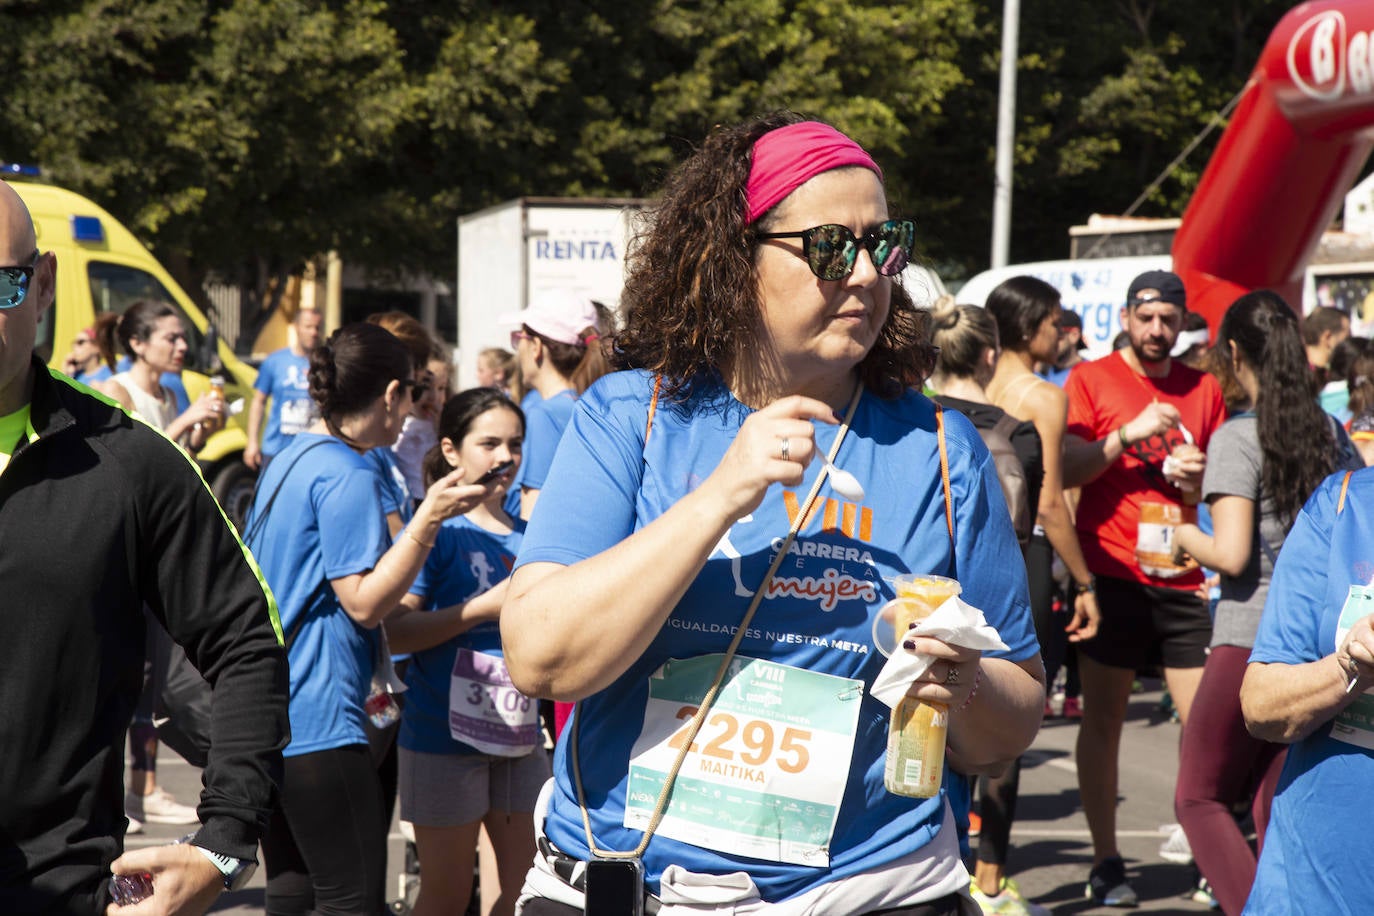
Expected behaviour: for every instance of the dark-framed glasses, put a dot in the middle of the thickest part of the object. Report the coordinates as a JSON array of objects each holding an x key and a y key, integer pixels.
[
  {"x": 832, "y": 249},
  {"x": 417, "y": 388},
  {"x": 14, "y": 282}
]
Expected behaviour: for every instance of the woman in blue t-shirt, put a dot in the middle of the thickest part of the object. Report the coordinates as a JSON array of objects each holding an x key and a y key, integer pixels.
[
  {"x": 687, "y": 544},
  {"x": 317, "y": 530},
  {"x": 1262, "y": 465},
  {"x": 558, "y": 347},
  {"x": 471, "y": 750}
]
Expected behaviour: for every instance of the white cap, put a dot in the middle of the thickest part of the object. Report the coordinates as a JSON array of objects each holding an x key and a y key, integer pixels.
[
  {"x": 1186, "y": 340},
  {"x": 558, "y": 315}
]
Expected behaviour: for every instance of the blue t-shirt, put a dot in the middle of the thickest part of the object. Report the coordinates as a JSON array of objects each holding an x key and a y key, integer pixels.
[
  {"x": 1056, "y": 375},
  {"x": 607, "y": 483},
  {"x": 512, "y": 504},
  {"x": 1318, "y": 836},
  {"x": 545, "y": 421},
  {"x": 325, "y": 523},
  {"x": 285, "y": 378},
  {"x": 465, "y": 562},
  {"x": 391, "y": 483}
]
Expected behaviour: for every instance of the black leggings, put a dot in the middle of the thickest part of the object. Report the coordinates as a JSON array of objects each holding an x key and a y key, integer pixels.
[
  {"x": 325, "y": 849},
  {"x": 998, "y": 794}
]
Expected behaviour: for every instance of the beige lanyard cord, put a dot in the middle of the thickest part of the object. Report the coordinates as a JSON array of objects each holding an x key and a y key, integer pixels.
[{"x": 700, "y": 718}]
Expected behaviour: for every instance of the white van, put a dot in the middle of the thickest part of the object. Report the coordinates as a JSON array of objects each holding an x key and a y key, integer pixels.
[{"x": 1095, "y": 288}]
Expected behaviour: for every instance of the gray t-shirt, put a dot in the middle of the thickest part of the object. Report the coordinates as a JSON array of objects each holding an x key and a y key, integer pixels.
[{"x": 1234, "y": 461}]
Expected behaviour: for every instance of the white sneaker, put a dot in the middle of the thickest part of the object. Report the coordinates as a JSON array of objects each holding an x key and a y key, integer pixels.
[
  {"x": 1175, "y": 848},
  {"x": 158, "y": 807},
  {"x": 135, "y": 825},
  {"x": 1008, "y": 901}
]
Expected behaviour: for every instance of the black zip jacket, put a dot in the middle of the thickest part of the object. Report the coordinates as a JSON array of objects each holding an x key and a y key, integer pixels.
[{"x": 99, "y": 514}]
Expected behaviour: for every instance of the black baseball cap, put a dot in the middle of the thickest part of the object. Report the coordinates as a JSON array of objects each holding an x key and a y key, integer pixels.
[
  {"x": 1068, "y": 318},
  {"x": 1167, "y": 285}
]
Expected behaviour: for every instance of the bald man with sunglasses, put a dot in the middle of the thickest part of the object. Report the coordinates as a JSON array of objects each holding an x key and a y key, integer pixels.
[{"x": 100, "y": 514}]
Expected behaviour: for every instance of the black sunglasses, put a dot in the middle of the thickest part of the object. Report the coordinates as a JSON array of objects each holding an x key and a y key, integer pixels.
[
  {"x": 831, "y": 250},
  {"x": 14, "y": 282},
  {"x": 417, "y": 389}
]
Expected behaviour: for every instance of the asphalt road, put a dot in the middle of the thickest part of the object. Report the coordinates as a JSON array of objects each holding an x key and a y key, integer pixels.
[{"x": 1051, "y": 851}]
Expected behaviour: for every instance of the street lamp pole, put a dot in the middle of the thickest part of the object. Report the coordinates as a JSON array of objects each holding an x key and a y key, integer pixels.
[{"x": 1006, "y": 135}]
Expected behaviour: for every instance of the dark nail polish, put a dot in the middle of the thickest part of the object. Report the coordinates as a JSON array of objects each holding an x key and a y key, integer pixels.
[
  {"x": 909, "y": 644},
  {"x": 911, "y": 625}
]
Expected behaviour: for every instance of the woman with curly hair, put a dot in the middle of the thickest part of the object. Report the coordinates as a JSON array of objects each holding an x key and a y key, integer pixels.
[
  {"x": 1262, "y": 465},
  {"x": 697, "y": 584}
]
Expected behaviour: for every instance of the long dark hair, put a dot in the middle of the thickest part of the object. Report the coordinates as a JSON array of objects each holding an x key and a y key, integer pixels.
[
  {"x": 353, "y": 367},
  {"x": 691, "y": 295},
  {"x": 1296, "y": 442},
  {"x": 457, "y": 418},
  {"x": 138, "y": 322},
  {"x": 1020, "y": 304}
]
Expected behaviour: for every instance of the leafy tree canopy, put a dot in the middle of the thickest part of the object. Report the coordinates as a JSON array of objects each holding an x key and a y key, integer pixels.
[{"x": 247, "y": 136}]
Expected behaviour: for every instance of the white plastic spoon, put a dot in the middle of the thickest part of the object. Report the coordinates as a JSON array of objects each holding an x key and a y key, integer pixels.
[{"x": 843, "y": 482}]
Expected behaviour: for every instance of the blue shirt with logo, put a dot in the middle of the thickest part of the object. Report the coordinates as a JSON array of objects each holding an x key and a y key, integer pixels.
[
  {"x": 607, "y": 482},
  {"x": 465, "y": 562},
  {"x": 285, "y": 378}
]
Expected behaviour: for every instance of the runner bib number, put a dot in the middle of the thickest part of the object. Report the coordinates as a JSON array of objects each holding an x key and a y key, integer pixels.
[
  {"x": 767, "y": 772},
  {"x": 1154, "y": 545},
  {"x": 1355, "y": 723},
  {"x": 486, "y": 711}
]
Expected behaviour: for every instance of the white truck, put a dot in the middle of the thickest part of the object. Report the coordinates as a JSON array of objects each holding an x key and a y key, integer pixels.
[{"x": 510, "y": 253}]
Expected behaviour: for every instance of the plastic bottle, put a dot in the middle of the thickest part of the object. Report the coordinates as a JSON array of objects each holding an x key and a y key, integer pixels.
[{"x": 917, "y": 730}]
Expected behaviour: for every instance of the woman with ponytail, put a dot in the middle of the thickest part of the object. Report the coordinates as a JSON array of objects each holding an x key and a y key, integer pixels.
[
  {"x": 1261, "y": 467},
  {"x": 558, "y": 346},
  {"x": 319, "y": 534},
  {"x": 151, "y": 333}
]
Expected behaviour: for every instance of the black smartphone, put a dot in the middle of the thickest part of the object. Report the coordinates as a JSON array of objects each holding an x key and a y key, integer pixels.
[
  {"x": 615, "y": 887},
  {"x": 496, "y": 470}
]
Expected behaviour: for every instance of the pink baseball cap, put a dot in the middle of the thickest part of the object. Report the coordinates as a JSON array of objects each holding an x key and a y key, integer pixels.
[{"x": 558, "y": 315}]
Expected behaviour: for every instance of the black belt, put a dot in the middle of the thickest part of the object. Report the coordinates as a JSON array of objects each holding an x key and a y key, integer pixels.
[{"x": 565, "y": 867}]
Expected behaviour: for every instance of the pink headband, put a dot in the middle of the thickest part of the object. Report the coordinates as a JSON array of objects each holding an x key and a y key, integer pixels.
[{"x": 786, "y": 158}]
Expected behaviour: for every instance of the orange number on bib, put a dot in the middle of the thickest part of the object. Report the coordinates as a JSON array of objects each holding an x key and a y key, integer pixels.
[{"x": 793, "y": 742}]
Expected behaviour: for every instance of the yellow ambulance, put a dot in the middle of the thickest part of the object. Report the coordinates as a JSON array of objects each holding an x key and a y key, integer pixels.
[{"x": 102, "y": 268}]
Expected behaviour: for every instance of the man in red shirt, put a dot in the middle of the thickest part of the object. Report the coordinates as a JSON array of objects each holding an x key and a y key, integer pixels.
[{"x": 1139, "y": 423}]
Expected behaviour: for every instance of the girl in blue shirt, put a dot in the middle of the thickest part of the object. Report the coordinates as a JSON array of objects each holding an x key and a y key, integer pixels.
[{"x": 471, "y": 751}]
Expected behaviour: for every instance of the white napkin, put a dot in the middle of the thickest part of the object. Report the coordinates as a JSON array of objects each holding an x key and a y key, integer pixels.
[{"x": 954, "y": 622}]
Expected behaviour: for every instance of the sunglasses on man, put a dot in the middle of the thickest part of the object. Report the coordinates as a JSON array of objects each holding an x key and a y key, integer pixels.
[
  {"x": 14, "y": 282},
  {"x": 832, "y": 249}
]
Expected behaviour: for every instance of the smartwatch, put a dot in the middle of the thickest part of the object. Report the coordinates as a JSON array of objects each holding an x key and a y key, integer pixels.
[{"x": 237, "y": 872}]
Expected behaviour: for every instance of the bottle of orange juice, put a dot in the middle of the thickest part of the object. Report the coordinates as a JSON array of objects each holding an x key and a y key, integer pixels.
[{"x": 917, "y": 730}]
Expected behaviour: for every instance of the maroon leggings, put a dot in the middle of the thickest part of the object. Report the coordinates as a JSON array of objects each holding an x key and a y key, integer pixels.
[{"x": 1220, "y": 765}]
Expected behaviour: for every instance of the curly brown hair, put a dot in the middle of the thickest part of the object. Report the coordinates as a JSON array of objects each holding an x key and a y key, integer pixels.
[{"x": 691, "y": 292}]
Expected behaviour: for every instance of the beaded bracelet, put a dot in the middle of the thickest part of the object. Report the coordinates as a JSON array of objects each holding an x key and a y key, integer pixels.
[{"x": 977, "y": 676}]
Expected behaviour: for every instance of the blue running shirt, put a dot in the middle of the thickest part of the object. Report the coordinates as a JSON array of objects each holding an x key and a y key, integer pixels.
[{"x": 606, "y": 483}]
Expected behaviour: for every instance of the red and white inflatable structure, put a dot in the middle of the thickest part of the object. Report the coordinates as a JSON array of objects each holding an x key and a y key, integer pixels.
[{"x": 1296, "y": 142}]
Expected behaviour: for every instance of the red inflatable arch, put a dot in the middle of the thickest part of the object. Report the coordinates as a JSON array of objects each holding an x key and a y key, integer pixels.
[{"x": 1296, "y": 143}]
